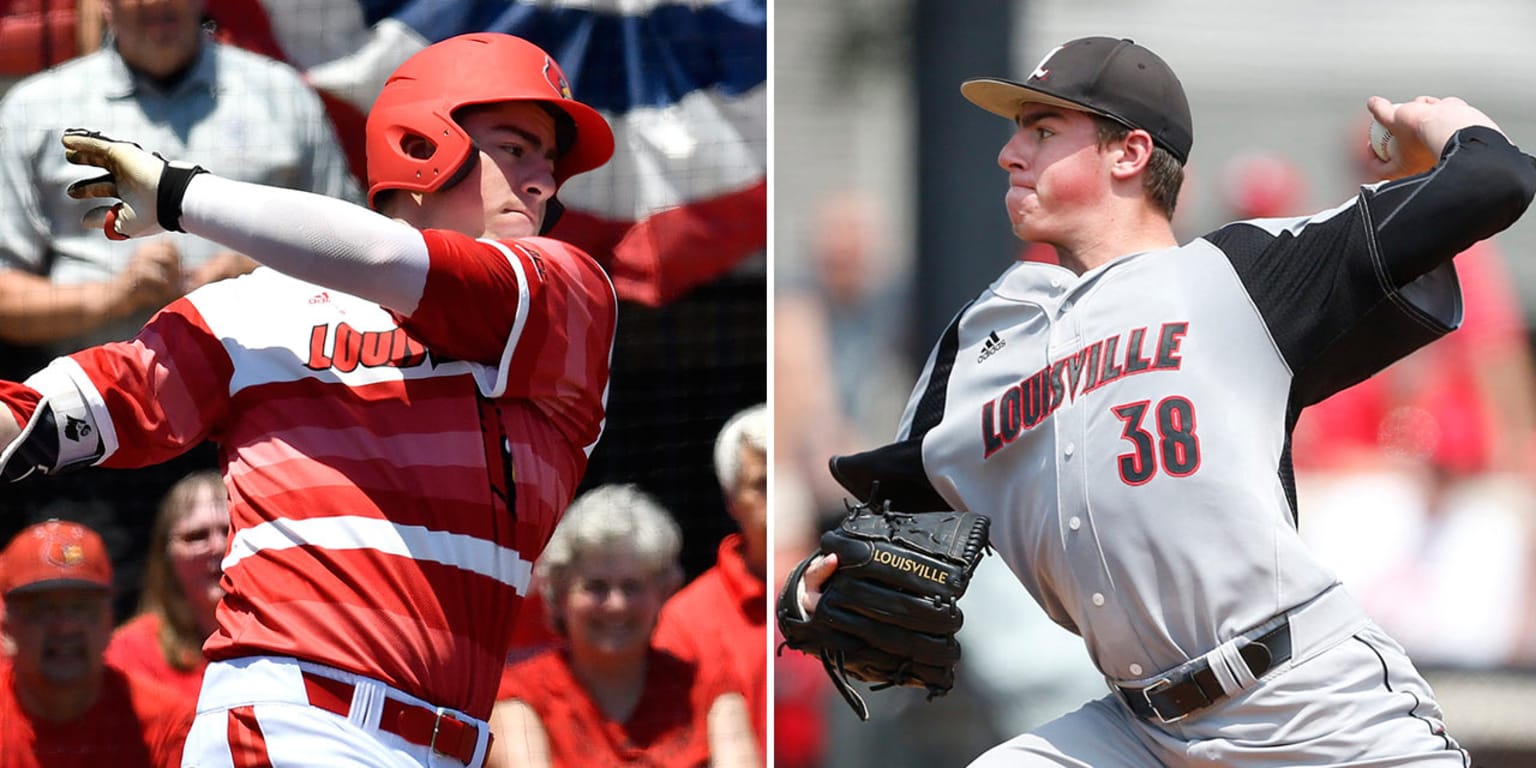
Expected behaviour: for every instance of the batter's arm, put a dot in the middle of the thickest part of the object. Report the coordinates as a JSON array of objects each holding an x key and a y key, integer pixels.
[
  {"x": 51, "y": 426},
  {"x": 338, "y": 245},
  {"x": 427, "y": 278},
  {"x": 314, "y": 238},
  {"x": 123, "y": 404}
]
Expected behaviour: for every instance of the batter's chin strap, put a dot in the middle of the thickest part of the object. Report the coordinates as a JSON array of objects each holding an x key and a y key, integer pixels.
[{"x": 553, "y": 210}]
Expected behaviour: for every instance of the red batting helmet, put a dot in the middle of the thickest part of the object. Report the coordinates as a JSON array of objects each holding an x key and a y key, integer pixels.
[{"x": 420, "y": 98}]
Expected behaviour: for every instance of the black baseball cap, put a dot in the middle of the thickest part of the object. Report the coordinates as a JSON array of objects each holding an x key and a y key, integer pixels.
[{"x": 1103, "y": 75}]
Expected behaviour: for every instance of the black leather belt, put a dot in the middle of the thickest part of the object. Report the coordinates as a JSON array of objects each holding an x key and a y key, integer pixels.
[{"x": 1195, "y": 687}]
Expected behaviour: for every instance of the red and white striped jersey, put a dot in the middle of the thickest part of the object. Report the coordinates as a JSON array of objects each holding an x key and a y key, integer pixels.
[{"x": 391, "y": 479}]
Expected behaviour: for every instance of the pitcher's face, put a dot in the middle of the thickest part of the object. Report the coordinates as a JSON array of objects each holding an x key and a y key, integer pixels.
[{"x": 1057, "y": 173}]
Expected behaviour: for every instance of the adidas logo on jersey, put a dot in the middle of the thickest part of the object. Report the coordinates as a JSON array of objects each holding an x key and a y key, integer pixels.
[{"x": 991, "y": 347}]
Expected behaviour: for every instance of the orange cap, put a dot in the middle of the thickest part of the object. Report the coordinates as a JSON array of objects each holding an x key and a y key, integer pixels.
[{"x": 55, "y": 554}]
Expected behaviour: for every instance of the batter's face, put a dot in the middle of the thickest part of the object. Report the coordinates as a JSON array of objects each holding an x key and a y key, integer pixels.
[
  {"x": 1057, "y": 174},
  {"x": 196, "y": 549},
  {"x": 506, "y": 194},
  {"x": 59, "y": 634},
  {"x": 612, "y": 605}
]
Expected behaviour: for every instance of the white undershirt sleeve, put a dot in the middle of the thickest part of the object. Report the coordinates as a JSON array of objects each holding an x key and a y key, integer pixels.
[{"x": 314, "y": 238}]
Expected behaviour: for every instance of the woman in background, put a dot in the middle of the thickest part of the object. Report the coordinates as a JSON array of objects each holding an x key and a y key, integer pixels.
[
  {"x": 606, "y": 695},
  {"x": 181, "y": 586}
]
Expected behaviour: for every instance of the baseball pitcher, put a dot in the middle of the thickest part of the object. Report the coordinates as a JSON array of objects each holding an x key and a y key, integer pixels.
[
  {"x": 1123, "y": 419},
  {"x": 405, "y": 402}
]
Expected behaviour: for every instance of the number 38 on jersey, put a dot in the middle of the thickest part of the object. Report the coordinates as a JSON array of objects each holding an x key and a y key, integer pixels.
[{"x": 1161, "y": 435}]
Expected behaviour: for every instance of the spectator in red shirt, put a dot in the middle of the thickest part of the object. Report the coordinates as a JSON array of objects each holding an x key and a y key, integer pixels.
[
  {"x": 61, "y": 704},
  {"x": 181, "y": 586},
  {"x": 721, "y": 618},
  {"x": 608, "y": 696}
]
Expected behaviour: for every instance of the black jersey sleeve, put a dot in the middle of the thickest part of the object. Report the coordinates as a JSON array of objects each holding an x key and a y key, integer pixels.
[
  {"x": 1349, "y": 291},
  {"x": 1480, "y": 187}
]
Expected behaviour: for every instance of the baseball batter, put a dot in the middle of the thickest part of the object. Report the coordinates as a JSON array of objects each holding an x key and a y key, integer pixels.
[
  {"x": 1124, "y": 417},
  {"x": 402, "y": 416}
]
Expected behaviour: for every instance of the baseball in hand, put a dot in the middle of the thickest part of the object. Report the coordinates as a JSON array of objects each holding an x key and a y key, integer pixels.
[{"x": 1381, "y": 141}]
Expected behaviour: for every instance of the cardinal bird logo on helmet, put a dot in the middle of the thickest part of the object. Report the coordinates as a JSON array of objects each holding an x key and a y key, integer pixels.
[{"x": 556, "y": 78}]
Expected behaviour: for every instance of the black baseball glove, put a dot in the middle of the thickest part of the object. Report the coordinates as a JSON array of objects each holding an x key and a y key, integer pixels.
[{"x": 888, "y": 615}]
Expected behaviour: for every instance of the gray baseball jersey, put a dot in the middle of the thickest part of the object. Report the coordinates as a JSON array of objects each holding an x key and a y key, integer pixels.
[{"x": 1127, "y": 429}]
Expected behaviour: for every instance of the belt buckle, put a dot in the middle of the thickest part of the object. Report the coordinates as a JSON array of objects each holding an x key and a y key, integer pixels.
[
  {"x": 437, "y": 724},
  {"x": 1146, "y": 693}
]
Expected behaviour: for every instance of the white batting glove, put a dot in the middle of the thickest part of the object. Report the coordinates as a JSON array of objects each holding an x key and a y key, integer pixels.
[{"x": 148, "y": 187}]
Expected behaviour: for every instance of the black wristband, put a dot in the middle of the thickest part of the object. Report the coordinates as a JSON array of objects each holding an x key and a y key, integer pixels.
[{"x": 174, "y": 179}]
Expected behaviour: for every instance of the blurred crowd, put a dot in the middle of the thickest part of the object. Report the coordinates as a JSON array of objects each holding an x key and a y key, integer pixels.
[
  {"x": 110, "y": 580},
  {"x": 1418, "y": 486}
]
